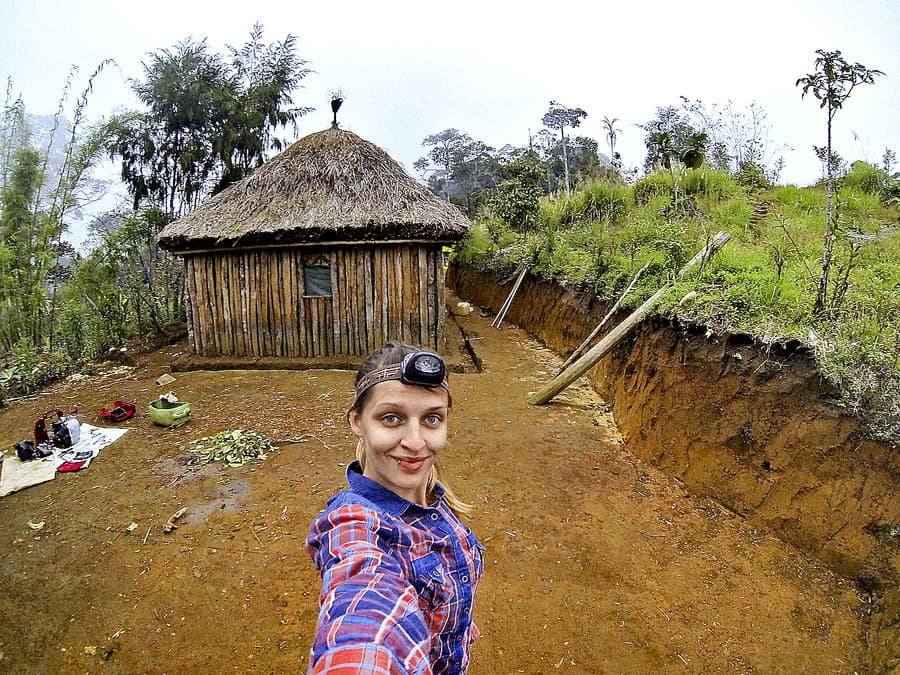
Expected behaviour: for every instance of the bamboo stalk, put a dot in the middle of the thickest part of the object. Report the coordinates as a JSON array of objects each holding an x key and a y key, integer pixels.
[
  {"x": 590, "y": 338},
  {"x": 621, "y": 331},
  {"x": 508, "y": 303}
]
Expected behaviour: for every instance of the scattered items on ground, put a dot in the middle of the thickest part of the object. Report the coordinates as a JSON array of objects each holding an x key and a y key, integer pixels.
[
  {"x": 164, "y": 379},
  {"x": 37, "y": 526},
  {"x": 170, "y": 523},
  {"x": 121, "y": 411},
  {"x": 235, "y": 447},
  {"x": 462, "y": 309},
  {"x": 36, "y": 463},
  {"x": 131, "y": 527}
]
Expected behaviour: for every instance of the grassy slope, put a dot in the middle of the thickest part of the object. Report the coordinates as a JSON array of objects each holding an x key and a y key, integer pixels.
[{"x": 762, "y": 283}]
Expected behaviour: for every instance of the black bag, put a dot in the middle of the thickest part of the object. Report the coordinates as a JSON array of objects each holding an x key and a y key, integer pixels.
[
  {"x": 25, "y": 450},
  {"x": 61, "y": 436}
]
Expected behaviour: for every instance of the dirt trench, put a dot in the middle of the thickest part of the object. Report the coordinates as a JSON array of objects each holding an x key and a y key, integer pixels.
[{"x": 753, "y": 426}]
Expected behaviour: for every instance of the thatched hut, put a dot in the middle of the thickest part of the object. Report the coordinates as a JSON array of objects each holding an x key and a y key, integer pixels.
[{"x": 328, "y": 249}]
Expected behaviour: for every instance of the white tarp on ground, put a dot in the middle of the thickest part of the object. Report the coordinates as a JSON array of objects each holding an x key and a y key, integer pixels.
[{"x": 17, "y": 474}]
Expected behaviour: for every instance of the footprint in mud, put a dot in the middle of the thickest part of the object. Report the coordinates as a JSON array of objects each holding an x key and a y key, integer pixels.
[{"x": 226, "y": 498}]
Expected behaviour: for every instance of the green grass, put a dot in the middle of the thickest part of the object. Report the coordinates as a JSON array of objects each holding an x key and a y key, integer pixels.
[{"x": 763, "y": 282}]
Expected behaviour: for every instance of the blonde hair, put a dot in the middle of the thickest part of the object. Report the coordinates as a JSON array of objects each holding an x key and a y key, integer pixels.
[{"x": 390, "y": 353}]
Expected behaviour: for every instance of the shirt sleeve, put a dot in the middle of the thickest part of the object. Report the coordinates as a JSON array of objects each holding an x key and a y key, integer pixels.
[{"x": 369, "y": 615}]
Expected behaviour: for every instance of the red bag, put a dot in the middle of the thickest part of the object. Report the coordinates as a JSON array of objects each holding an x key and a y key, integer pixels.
[{"x": 120, "y": 412}]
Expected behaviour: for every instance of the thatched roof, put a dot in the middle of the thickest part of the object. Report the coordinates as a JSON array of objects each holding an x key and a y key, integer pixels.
[{"x": 328, "y": 186}]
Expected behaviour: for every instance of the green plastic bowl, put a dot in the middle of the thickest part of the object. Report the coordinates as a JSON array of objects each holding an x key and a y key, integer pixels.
[{"x": 166, "y": 414}]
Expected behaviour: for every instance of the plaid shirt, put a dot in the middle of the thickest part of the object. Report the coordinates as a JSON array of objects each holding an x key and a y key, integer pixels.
[{"x": 398, "y": 580}]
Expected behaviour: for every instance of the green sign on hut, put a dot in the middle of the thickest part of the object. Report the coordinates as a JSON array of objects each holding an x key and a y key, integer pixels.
[{"x": 328, "y": 249}]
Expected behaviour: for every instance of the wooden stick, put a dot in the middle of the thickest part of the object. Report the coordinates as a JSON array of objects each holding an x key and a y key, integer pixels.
[
  {"x": 620, "y": 332},
  {"x": 506, "y": 305},
  {"x": 590, "y": 338}
]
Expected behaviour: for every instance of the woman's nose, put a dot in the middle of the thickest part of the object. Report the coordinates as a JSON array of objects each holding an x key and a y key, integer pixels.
[{"x": 412, "y": 436}]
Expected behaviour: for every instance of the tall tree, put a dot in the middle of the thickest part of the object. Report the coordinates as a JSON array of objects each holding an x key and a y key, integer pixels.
[
  {"x": 209, "y": 121},
  {"x": 667, "y": 137},
  {"x": 457, "y": 166},
  {"x": 264, "y": 77},
  {"x": 612, "y": 134},
  {"x": 168, "y": 153},
  {"x": 832, "y": 82},
  {"x": 559, "y": 118},
  {"x": 23, "y": 248}
]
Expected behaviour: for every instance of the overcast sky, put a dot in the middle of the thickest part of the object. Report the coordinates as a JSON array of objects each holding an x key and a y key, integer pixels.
[{"x": 490, "y": 69}]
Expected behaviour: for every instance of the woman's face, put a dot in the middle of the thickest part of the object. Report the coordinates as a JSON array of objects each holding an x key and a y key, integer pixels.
[{"x": 403, "y": 427}]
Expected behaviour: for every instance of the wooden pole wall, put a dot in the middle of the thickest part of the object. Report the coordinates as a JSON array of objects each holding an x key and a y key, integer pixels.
[{"x": 253, "y": 303}]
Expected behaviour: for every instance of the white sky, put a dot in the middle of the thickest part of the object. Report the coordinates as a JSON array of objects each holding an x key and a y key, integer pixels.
[{"x": 490, "y": 68}]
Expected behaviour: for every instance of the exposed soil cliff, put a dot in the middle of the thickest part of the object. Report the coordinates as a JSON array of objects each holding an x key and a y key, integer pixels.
[{"x": 748, "y": 424}]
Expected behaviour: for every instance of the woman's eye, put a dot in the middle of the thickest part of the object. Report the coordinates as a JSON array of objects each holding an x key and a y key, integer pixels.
[
  {"x": 390, "y": 419},
  {"x": 433, "y": 420}
]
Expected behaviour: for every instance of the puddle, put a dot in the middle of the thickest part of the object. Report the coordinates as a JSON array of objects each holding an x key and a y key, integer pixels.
[{"x": 226, "y": 498}]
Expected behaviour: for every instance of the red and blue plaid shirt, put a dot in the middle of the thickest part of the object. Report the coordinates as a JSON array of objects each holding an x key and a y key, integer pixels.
[{"x": 398, "y": 580}]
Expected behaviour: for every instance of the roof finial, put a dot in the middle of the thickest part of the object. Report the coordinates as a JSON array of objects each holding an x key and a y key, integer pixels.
[{"x": 337, "y": 97}]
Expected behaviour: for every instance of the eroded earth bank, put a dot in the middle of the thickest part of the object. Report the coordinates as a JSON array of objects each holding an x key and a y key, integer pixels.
[{"x": 752, "y": 426}]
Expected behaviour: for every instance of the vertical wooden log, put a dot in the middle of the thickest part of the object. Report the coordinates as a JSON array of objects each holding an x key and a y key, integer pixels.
[
  {"x": 302, "y": 314},
  {"x": 422, "y": 299},
  {"x": 381, "y": 294},
  {"x": 441, "y": 288},
  {"x": 368, "y": 303},
  {"x": 277, "y": 283},
  {"x": 190, "y": 275},
  {"x": 290, "y": 284},
  {"x": 216, "y": 301}
]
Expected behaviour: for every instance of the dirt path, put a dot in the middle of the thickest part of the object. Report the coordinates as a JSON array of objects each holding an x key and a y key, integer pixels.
[{"x": 595, "y": 562}]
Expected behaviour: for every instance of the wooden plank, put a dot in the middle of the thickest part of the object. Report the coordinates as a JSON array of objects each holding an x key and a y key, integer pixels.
[
  {"x": 348, "y": 290},
  {"x": 290, "y": 284},
  {"x": 265, "y": 289},
  {"x": 398, "y": 295},
  {"x": 383, "y": 299},
  {"x": 190, "y": 274},
  {"x": 441, "y": 288},
  {"x": 314, "y": 325},
  {"x": 433, "y": 307},
  {"x": 264, "y": 303},
  {"x": 215, "y": 302},
  {"x": 334, "y": 339},
  {"x": 277, "y": 284},
  {"x": 509, "y": 299},
  {"x": 422, "y": 295},
  {"x": 367, "y": 298},
  {"x": 379, "y": 324},
  {"x": 621, "y": 331},
  {"x": 302, "y": 318},
  {"x": 225, "y": 292}
]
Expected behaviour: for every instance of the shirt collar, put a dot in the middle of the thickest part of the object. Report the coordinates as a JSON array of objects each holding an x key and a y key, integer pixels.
[{"x": 390, "y": 501}]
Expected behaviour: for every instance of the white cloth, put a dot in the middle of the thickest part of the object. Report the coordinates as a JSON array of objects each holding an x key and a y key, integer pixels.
[{"x": 93, "y": 440}]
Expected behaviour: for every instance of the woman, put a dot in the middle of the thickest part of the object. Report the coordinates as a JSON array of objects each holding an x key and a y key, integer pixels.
[{"x": 399, "y": 568}]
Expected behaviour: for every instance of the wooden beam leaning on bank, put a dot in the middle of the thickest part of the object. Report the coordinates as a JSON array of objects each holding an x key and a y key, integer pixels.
[
  {"x": 506, "y": 303},
  {"x": 594, "y": 333},
  {"x": 620, "y": 332}
]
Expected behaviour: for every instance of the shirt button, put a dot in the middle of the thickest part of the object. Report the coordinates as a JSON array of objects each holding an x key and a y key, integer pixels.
[
  {"x": 464, "y": 579},
  {"x": 434, "y": 516}
]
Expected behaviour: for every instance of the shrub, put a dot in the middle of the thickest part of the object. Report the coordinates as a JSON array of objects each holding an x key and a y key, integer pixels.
[
  {"x": 866, "y": 178},
  {"x": 753, "y": 177},
  {"x": 800, "y": 200},
  {"x": 651, "y": 186},
  {"x": 597, "y": 201},
  {"x": 705, "y": 182}
]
